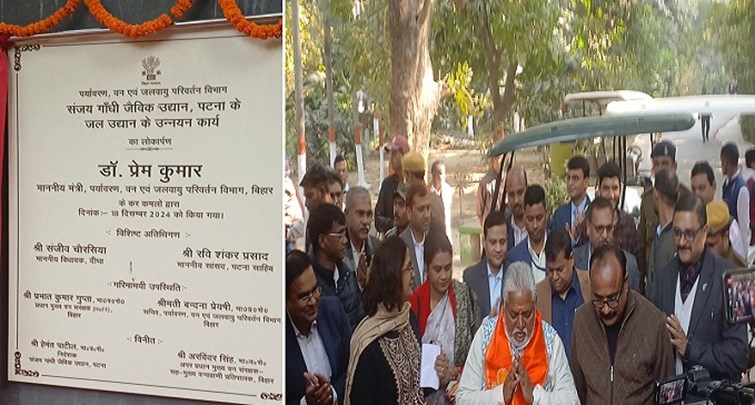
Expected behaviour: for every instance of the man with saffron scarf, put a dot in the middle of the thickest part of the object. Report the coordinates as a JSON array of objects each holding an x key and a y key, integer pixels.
[{"x": 516, "y": 358}]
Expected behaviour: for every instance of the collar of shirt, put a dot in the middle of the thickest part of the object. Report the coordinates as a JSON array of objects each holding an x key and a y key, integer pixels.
[
  {"x": 660, "y": 229},
  {"x": 538, "y": 260},
  {"x": 299, "y": 335},
  {"x": 578, "y": 208},
  {"x": 729, "y": 179},
  {"x": 519, "y": 233},
  {"x": 498, "y": 276},
  {"x": 357, "y": 251},
  {"x": 573, "y": 287},
  {"x": 420, "y": 243}
]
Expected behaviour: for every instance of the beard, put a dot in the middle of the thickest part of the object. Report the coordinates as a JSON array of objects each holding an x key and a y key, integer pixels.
[{"x": 518, "y": 345}]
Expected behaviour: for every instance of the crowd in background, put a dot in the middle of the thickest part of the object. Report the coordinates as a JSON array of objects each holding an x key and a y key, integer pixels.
[{"x": 581, "y": 306}]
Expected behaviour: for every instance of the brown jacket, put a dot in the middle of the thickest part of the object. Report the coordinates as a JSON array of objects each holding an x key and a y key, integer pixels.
[
  {"x": 644, "y": 355},
  {"x": 544, "y": 294}
]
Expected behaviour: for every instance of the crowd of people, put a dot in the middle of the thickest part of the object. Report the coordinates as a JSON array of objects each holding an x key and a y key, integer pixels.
[{"x": 582, "y": 306}]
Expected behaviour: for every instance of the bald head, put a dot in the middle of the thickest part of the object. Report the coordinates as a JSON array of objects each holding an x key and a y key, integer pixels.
[
  {"x": 516, "y": 185},
  {"x": 609, "y": 284}
]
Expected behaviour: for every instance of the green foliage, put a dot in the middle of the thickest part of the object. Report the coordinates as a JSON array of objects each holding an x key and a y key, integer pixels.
[{"x": 555, "y": 193}]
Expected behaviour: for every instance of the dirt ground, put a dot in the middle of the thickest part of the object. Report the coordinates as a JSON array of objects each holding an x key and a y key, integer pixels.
[{"x": 464, "y": 169}]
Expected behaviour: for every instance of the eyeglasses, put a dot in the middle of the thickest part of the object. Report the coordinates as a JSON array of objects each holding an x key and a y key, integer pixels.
[
  {"x": 688, "y": 234},
  {"x": 607, "y": 229},
  {"x": 304, "y": 300},
  {"x": 612, "y": 302},
  {"x": 339, "y": 235}
]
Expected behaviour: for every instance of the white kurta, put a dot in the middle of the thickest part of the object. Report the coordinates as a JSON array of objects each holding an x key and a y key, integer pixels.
[{"x": 559, "y": 387}]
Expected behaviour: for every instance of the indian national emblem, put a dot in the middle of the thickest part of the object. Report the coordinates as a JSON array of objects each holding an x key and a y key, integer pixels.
[{"x": 150, "y": 65}]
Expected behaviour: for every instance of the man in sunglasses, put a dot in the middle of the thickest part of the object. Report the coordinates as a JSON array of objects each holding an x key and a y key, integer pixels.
[
  {"x": 317, "y": 337},
  {"x": 601, "y": 220},
  {"x": 689, "y": 290},
  {"x": 620, "y": 347}
]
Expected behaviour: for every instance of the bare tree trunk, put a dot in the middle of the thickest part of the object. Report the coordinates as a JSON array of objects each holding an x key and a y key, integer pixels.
[
  {"x": 301, "y": 144},
  {"x": 501, "y": 104},
  {"x": 414, "y": 92},
  {"x": 327, "y": 55}
]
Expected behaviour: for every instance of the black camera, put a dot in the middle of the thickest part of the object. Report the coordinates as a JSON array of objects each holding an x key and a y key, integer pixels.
[{"x": 695, "y": 386}]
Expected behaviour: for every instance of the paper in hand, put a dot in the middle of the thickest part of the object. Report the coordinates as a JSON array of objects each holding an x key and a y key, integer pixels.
[{"x": 428, "y": 377}]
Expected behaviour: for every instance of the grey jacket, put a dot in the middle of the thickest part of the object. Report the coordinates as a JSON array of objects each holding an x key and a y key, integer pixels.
[{"x": 582, "y": 262}]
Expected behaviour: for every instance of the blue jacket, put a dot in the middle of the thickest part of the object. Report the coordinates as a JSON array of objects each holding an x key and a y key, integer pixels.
[
  {"x": 520, "y": 253},
  {"x": 562, "y": 217},
  {"x": 335, "y": 333},
  {"x": 730, "y": 194}
]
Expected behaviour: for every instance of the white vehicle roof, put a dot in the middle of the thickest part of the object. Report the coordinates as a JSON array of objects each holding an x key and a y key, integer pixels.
[
  {"x": 605, "y": 97},
  {"x": 714, "y": 103}
]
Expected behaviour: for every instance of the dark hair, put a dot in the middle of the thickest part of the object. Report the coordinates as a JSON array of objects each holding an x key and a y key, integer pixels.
[
  {"x": 603, "y": 251},
  {"x": 597, "y": 204},
  {"x": 750, "y": 158},
  {"x": 316, "y": 176},
  {"x": 436, "y": 242},
  {"x": 577, "y": 163},
  {"x": 338, "y": 159},
  {"x": 558, "y": 241},
  {"x": 333, "y": 177},
  {"x": 320, "y": 222},
  {"x": 385, "y": 282},
  {"x": 435, "y": 165},
  {"x": 667, "y": 185},
  {"x": 730, "y": 153},
  {"x": 494, "y": 218},
  {"x": 704, "y": 168},
  {"x": 415, "y": 190},
  {"x": 534, "y": 195},
  {"x": 297, "y": 262},
  {"x": 689, "y": 202},
  {"x": 609, "y": 170}
]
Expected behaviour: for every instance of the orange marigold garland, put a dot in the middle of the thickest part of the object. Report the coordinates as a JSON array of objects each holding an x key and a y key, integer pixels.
[
  {"x": 234, "y": 15},
  {"x": 181, "y": 7},
  {"x": 41, "y": 25},
  {"x": 114, "y": 24}
]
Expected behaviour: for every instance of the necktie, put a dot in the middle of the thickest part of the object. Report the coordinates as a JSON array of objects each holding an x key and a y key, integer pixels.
[{"x": 686, "y": 282}]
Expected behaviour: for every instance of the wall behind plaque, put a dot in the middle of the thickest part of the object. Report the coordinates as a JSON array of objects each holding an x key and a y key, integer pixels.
[{"x": 23, "y": 12}]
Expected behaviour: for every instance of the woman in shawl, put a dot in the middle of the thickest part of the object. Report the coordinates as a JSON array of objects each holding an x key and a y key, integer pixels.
[
  {"x": 448, "y": 315},
  {"x": 385, "y": 351}
]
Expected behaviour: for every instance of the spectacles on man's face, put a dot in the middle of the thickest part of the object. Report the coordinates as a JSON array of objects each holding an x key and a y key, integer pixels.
[
  {"x": 602, "y": 229},
  {"x": 612, "y": 301},
  {"x": 687, "y": 234},
  {"x": 339, "y": 235},
  {"x": 303, "y": 299}
]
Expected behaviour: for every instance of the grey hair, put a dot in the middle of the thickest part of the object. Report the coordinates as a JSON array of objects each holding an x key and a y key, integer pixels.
[
  {"x": 355, "y": 193},
  {"x": 518, "y": 277}
]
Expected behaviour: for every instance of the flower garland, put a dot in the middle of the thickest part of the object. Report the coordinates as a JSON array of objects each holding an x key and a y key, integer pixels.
[
  {"x": 234, "y": 15},
  {"x": 114, "y": 24},
  {"x": 41, "y": 25},
  {"x": 230, "y": 9}
]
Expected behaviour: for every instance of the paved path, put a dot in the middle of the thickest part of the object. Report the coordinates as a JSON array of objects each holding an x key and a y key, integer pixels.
[{"x": 691, "y": 149}]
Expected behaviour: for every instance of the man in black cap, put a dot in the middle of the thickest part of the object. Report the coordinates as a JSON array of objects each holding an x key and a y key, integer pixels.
[{"x": 663, "y": 157}]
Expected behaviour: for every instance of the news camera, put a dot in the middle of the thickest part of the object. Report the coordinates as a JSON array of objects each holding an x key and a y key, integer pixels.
[{"x": 695, "y": 386}]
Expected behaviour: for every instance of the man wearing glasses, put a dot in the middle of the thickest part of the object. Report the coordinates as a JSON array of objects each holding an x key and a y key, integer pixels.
[
  {"x": 317, "y": 337},
  {"x": 601, "y": 220},
  {"x": 620, "y": 346},
  {"x": 689, "y": 290},
  {"x": 327, "y": 232}
]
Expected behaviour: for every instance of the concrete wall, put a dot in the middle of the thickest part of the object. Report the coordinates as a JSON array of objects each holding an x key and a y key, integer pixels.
[{"x": 133, "y": 11}]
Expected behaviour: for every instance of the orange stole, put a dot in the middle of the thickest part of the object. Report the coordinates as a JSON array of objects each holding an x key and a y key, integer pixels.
[{"x": 498, "y": 357}]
